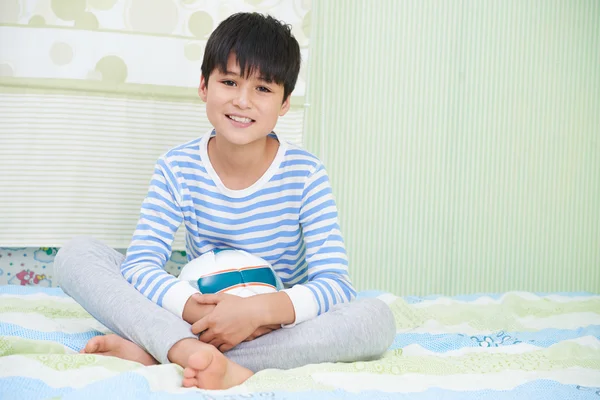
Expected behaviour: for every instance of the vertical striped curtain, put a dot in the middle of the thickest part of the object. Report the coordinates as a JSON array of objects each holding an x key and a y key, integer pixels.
[{"x": 463, "y": 141}]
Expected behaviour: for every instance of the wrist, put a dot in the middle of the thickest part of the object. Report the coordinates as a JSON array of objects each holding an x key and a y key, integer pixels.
[
  {"x": 188, "y": 310},
  {"x": 194, "y": 311},
  {"x": 273, "y": 309}
]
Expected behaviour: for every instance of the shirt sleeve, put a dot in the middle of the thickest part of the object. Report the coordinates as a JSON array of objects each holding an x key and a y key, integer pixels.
[
  {"x": 150, "y": 247},
  {"x": 328, "y": 279}
]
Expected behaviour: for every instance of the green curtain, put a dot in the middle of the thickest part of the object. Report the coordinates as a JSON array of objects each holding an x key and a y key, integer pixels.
[{"x": 463, "y": 141}]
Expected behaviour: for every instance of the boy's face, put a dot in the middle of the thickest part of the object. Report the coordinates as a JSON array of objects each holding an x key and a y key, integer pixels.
[{"x": 242, "y": 110}]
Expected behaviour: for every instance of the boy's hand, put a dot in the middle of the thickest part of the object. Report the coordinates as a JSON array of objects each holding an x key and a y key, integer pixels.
[
  {"x": 263, "y": 330},
  {"x": 233, "y": 320},
  {"x": 194, "y": 311}
]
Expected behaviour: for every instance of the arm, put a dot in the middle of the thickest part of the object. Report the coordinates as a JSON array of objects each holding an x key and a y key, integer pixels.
[
  {"x": 150, "y": 247},
  {"x": 328, "y": 279},
  {"x": 237, "y": 319}
]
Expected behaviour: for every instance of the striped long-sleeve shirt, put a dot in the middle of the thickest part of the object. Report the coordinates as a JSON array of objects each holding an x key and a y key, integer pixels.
[{"x": 288, "y": 217}]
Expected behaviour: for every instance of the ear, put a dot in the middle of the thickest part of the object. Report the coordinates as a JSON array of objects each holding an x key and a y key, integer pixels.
[
  {"x": 285, "y": 106},
  {"x": 203, "y": 88}
]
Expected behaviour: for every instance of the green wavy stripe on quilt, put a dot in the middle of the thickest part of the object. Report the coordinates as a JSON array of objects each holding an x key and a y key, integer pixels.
[
  {"x": 11, "y": 345},
  {"x": 53, "y": 355},
  {"x": 501, "y": 316},
  {"x": 516, "y": 305},
  {"x": 47, "y": 308},
  {"x": 66, "y": 362},
  {"x": 558, "y": 357}
]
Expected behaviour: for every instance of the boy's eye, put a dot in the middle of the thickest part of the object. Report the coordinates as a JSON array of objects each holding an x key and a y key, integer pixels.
[
  {"x": 263, "y": 89},
  {"x": 228, "y": 83}
]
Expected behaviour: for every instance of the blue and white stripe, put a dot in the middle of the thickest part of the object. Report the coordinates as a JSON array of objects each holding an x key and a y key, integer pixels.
[{"x": 289, "y": 218}]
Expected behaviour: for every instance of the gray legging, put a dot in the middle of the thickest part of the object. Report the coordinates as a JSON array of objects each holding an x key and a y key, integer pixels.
[{"x": 88, "y": 270}]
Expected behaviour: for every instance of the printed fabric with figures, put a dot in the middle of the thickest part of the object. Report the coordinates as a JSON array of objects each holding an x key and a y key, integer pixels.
[{"x": 33, "y": 266}]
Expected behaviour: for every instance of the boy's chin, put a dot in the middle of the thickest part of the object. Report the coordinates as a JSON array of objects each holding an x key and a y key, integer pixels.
[{"x": 241, "y": 138}]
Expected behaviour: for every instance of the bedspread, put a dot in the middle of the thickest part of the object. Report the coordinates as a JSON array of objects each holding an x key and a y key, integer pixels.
[{"x": 515, "y": 345}]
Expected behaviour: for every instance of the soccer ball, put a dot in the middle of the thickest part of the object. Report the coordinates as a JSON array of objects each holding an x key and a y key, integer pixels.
[{"x": 231, "y": 271}]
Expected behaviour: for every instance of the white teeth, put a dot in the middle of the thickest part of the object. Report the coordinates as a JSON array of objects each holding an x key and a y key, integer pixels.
[{"x": 240, "y": 119}]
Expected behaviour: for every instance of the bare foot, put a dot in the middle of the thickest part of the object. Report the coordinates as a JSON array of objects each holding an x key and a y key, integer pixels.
[
  {"x": 206, "y": 367},
  {"x": 116, "y": 346}
]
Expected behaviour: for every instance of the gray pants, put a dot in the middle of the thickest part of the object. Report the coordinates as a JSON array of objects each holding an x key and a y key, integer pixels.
[{"x": 89, "y": 271}]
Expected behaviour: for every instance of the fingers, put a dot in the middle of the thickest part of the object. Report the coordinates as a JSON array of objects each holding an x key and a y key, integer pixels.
[
  {"x": 197, "y": 295},
  {"x": 200, "y": 326},
  {"x": 225, "y": 347},
  {"x": 207, "y": 336},
  {"x": 217, "y": 342},
  {"x": 263, "y": 330},
  {"x": 251, "y": 337},
  {"x": 208, "y": 298}
]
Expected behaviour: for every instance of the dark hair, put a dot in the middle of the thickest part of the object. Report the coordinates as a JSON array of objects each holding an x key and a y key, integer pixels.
[{"x": 259, "y": 43}]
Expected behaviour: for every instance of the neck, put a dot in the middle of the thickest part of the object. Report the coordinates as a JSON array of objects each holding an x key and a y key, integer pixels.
[
  {"x": 238, "y": 159},
  {"x": 239, "y": 167}
]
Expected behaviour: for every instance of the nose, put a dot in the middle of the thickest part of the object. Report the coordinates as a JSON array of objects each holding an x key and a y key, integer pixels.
[{"x": 242, "y": 98}]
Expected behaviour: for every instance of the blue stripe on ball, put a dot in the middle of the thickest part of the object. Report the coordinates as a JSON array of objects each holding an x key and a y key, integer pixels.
[
  {"x": 217, "y": 282},
  {"x": 224, "y": 280},
  {"x": 259, "y": 275}
]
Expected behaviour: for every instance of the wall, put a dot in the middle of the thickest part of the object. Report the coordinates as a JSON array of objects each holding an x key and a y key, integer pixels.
[
  {"x": 91, "y": 94},
  {"x": 462, "y": 139}
]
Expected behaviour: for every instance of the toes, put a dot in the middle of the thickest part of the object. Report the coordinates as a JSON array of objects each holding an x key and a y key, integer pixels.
[
  {"x": 189, "y": 373},
  {"x": 190, "y": 382},
  {"x": 102, "y": 344},
  {"x": 94, "y": 345}
]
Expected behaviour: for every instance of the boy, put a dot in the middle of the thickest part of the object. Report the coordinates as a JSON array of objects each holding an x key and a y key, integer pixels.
[{"x": 237, "y": 186}]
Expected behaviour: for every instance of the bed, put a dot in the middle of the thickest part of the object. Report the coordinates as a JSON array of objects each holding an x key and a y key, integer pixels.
[{"x": 515, "y": 345}]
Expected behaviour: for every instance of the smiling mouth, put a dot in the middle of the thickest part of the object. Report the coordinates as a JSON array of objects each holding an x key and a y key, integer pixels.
[{"x": 242, "y": 120}]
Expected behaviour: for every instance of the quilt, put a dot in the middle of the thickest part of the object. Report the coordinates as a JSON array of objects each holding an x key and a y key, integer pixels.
[{"x": 515, "y": 345}]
